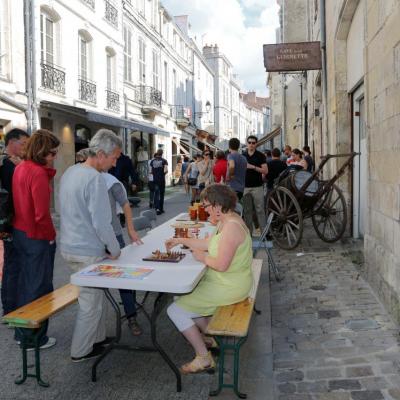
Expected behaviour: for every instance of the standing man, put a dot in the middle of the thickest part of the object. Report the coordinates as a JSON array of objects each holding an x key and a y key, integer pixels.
[
  {"x": 87, "y": 236},
  {"x": 159, "y": 168},
  {"x": 287, "y": 155},
  {"x": 275, "y": 167},
  {"x": 15, "y": 142},
  {"x": 237, "y": 166},
  {"x": 254, "y": 191},
  {"x": 125, "y": 173}
]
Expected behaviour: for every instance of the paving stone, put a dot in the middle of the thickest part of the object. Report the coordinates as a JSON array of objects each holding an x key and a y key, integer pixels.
[
  {"x": 297, "y": 396},
  {"x": 312, "y": 387},
  {"x": 289, "y": 376},
  {"x": 362, "y": 324},
  {"x": 352, "y": 372},
  {"x": 345, "y": 384},
  {"x": 333, "y": 396},
  {"x": 321, "y": 373},
  {"x": 374, "y": 383},
  {"x": 287, "y": 388},
  {"x": 367, "y": 395},
  {"x": 395, "y": 393},
  {"x": 327, "y": 314}
]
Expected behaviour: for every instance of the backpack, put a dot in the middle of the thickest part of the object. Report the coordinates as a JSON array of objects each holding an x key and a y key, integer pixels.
[{"x": 6, "y": 209}]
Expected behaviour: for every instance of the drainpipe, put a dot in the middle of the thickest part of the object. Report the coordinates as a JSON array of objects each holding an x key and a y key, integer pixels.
[
  {"x": 324, "y": 77},
  {"x": 28, "y": 55}
]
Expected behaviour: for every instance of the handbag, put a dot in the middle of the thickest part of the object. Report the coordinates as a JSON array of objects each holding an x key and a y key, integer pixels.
[{"x": 192, "y": 181}]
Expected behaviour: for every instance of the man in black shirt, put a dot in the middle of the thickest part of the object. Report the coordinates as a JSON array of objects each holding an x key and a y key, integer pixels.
[
  {"x": 15, "y": 143},
  {"x": 275, "y": 167},
  {"x": 159, "y": 168},
  {"x": 253, "y": 195}
]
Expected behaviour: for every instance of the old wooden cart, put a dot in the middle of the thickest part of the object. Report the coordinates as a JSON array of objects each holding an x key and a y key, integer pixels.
[{"x": 300, "y": 194}]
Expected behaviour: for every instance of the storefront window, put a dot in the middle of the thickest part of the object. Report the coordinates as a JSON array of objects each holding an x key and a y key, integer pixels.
[
  {"x": 82, "y": 137},
  {"x": 141, "y": 152}
]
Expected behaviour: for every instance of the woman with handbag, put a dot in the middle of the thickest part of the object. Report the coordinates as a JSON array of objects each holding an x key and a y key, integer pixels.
[{"x": 192, "y": 174}]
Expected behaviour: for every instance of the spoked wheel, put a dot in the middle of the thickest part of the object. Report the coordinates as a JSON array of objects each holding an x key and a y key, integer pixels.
[
  {"x": 287, "y": 224},
  {"x": 330, "y": 217}
]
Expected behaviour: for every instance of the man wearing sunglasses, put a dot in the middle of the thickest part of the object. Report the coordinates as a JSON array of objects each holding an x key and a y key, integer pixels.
[{"x": 253, "y": 195}]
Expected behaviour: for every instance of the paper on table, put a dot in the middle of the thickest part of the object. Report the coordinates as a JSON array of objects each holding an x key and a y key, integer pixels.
[{"x": 113, "y": 271}]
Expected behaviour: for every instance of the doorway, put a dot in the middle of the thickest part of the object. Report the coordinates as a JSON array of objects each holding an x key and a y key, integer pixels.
[{"x": 360, "y": 166}]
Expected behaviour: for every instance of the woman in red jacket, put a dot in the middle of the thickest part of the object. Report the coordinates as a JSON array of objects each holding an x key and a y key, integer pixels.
[
  {"x": 220, "y": 167},
  {"x": 34, "y": 233}
]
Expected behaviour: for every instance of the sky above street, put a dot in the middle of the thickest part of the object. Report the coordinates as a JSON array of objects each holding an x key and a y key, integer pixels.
[{"x": 239, "y": 27}]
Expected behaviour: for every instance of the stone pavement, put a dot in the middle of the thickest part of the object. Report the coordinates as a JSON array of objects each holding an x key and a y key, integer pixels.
[
  {"x": 332, "y": 339},
  {"x": 139, "y": 376}
]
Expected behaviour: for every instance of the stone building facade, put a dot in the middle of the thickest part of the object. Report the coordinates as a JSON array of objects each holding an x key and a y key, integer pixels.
[{"x": 353, "y": 104}]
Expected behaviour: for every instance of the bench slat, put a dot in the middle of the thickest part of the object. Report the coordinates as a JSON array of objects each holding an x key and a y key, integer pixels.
[
  {"x": 33, "y": 314},
  {"x": 234, "y": 319}
]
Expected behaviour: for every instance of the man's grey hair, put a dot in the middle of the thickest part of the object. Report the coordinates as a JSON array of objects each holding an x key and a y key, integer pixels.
[{"x": 104, "y": 140}]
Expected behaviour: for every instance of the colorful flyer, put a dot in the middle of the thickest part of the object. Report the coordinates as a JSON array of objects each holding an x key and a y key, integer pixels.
[{"x": 113, "y": 271}]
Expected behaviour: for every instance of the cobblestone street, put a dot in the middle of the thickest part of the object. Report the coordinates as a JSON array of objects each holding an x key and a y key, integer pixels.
[{"x": 332, "y": 339}]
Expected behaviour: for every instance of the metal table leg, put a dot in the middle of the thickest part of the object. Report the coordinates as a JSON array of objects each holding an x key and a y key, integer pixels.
[{"x": 157, "y": 308}]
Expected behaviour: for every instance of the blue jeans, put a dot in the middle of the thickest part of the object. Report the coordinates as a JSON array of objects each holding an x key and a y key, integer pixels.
[
  {"x": 9, "y": 282},
  {"x": 159, "y": 190},
  {"x": 128, "y": 297},
  {"x": 36, "y": 263},
  {"x": 151, "y": 193}
]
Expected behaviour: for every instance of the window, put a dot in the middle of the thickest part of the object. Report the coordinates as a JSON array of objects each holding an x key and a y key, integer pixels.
[
  {"x": 174, "y": 85},
  {"x": 175, "y": 40},
  {"x": 142, "y": 7},
  {"x": 155, "y": 69},
  {"x": 110, "y": 62},
  {"x": 46, "y": 39},
  {"x": 181, "y": 44},
  {"x": 3, "y": 41},
  {"x": 165, "y": 82},
  {"x": 127, "y": 54},
  {"x": 142, "y": 62},
  {"x": 83, "y": 57}
]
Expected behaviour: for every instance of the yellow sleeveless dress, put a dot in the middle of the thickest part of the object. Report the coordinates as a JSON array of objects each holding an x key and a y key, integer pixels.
[{"x": 222, "y": 288}]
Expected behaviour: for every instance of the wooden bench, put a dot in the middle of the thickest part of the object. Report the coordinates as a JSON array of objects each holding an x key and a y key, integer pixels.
[
  {"x": 33, "y": 316},
  {"x": 229, "y": 326}
]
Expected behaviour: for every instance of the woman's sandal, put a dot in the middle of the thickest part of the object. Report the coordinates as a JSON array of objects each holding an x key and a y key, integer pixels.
[
  {"x": 199, "y": 364},
  {"x": 211, "y": 345}
]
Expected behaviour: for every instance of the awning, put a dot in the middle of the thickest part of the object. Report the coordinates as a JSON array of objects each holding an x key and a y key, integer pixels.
[
  {"x": 106, "y": 119},
  {"x": 269, "y": 136},
  {"x": 180, "y": 148},
  {"x": 190, "y": 146},
  {"x": 213, "y": 146}
]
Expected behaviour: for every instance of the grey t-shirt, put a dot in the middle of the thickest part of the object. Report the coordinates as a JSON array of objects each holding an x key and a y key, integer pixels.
[
  {"x": 117, "y": 195},
  {"x": 85, "y": 213},
  {"x": 238, "y": 181}
]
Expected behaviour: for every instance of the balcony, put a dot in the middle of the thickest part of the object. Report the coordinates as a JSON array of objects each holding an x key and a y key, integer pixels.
[
  {"x": 53, "y": 78},
  {"x": 89, "y": 3},
  {"x": 111, "y": 14},
  {"x": 112, "y": 100},
  {"x": 149, "y": 98},
  {"x": 87, "y": 90},
  {"x": 181, "y": 115}
]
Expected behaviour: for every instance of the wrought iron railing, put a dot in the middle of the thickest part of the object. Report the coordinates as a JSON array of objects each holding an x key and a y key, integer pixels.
[
  {"x": 90, "y": 3},
  {"x": 112, "y": 100},
  {"x": 87, "y": 90},
  {"x": 180, "y": 112},
  {"x": 111, "y": 14},
  {"x": 53, "y": 78},
  {"x": 148, "y": 96}
]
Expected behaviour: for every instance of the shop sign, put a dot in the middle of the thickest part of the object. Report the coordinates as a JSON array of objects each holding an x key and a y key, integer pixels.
[{"x": 292, "y": 56}]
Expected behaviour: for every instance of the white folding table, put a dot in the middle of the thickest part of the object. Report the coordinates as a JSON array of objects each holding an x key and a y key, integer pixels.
[{"x": 177, "y": 278}]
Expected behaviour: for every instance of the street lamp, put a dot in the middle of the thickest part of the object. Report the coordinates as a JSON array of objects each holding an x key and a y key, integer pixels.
[{"x": 201, "y": 113}]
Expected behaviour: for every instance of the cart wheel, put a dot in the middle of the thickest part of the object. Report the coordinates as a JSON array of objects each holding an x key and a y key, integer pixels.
[
  {"x": 330, "y": 218},
  {"x": 287, "y": 225}
]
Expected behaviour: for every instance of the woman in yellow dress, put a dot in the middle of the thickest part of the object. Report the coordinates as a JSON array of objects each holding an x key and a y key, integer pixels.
[{"x": 227, "y": 254}]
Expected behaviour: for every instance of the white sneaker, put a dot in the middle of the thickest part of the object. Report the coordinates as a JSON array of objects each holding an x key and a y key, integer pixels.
[{"x": 50, "y": 343}]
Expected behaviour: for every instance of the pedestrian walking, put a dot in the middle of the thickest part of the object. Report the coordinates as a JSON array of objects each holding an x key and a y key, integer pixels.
[
  {"x": 254, "y": 191},
  {"x": 34, "y": 233},
  {"x": 192, "y": 175},
  {"x": 205, "y": 171},
  {"x": 185, "y": 166},
  {"x": 15, "y": 142},
  {"x": 150, "y": 183},
  {"x": 159, "y": 168},
  {"x": 87, "y": 236},
  {"x": 237, "y": 167},
  {"x": 220, "y": 167}
]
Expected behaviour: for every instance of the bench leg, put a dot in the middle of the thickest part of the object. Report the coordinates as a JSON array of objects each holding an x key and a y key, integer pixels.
[
  {"x": 274, "y": 267},
  {"x": 27, "y": 341},
  {"x": 224, "y": 345}
]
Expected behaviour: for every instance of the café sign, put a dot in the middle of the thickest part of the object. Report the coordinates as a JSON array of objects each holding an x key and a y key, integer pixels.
[{"x": 284, "y": 57}]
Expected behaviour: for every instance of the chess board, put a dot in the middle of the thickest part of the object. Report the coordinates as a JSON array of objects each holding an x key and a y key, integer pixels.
[{"x": 159, "y": 256}]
